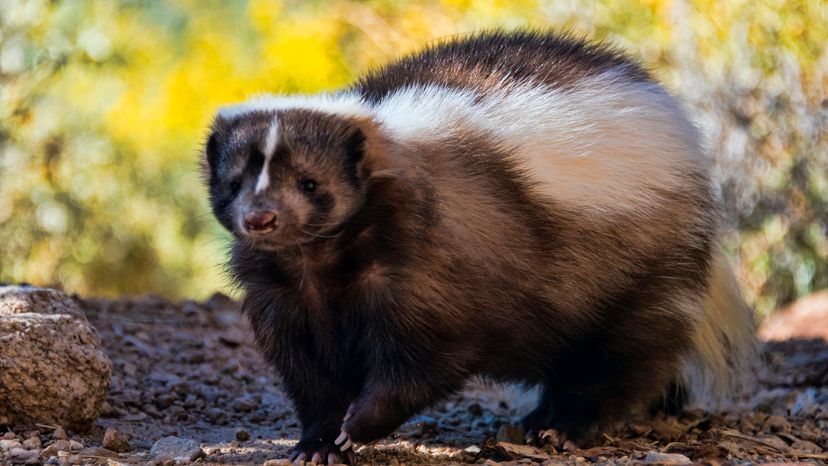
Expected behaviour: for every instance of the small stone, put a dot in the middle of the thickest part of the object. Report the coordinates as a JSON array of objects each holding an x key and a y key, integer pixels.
[
  {"x": 9, "y": 436},
  {"x": 6, "y": 445},
  {"x": 59, "y": 434},
  {"x": 98, "y": 452},
  {"x": 61, "y": 445},
  {"x": 473, "y": 449},
  {"x": 116, "y": 441},
  {"x": 164, "y": 401},
  {"x": 105, "y": 407},
  {"x": 511, "y": 433},
  {"x": 190, "y": 401},
  {"x": 245, "y": 405},
  {"x": 654, "y": 457},
  {"x": 282, "y": 462},
  {"x": 217, "y": 416},
  {"x": 32, "y": 443},
  {"x": 778, "y": 424},
  {"x": 519, "y": 450},
  {"x": 774, "y": 442},
  {"x": 74, "y": 445},
  {"x": 115, "y": 413},
  {"x": 65, "y": 459},
  {"x": 232, "y": 340},
  {"x": 21, "y": 454},
  {"x": 806, "y": 446},
  {"x": 136, "y": 417},
  {"x": 242, "y": 435},
  {"x": 475, "y": 409},
  {"x": 178, "y": 449},
  {"x": 49, "y": 452}
]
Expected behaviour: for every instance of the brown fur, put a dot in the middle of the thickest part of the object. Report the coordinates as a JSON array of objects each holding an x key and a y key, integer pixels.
[{"x": 416, "y": 265}]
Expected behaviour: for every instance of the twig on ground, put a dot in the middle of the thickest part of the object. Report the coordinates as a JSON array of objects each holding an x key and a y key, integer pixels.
[{"x": 789, "y": 452}]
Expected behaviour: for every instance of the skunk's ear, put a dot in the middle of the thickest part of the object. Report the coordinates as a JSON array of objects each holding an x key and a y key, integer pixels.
[
  {"x": 214, "y": 145},
  {"x": 211, "y": 149},
  {"x": 355, "y": 146},
  {"x": 372, "y": 152}
]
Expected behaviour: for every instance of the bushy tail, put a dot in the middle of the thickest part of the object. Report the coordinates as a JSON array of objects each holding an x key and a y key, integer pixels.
[{"x": 725, "y": 346}]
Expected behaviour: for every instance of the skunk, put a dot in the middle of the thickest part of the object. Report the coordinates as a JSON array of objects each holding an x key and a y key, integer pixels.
[{"x": 523, "y": 206}]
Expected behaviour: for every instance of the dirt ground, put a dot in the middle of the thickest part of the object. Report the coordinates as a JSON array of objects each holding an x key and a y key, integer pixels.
[{"x": 191, "y": 370}]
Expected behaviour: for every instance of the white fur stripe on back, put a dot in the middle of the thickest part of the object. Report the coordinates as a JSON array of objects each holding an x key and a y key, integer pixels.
[{"x": 598, "y": 145}]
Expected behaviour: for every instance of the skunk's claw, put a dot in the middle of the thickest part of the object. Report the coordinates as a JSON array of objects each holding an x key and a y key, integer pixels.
[
  {"x": 321, "y": 454},
  {"x": 344, "y": 442},
  {"x": 556, "y": 439}
]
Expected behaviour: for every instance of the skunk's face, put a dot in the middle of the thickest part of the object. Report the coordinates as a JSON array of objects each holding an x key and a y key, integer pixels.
[{"x": 284, "y": 178}]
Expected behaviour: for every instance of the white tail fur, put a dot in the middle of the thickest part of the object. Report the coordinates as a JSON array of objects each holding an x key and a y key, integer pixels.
[{"x": 725, "y": 344}]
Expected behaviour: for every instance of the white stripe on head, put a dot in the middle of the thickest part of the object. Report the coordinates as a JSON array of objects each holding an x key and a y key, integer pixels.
[
  {"x": 268, "y": 150},
  {"x": 344, "y": 103}
]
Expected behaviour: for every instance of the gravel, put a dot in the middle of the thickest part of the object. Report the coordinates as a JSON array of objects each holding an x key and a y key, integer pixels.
[
  {"x": 191, "y": 373},
  {"x": 116, "y": 441},
  {"x": 242, "y": 435},
  {"x": 665, "y": 458}
]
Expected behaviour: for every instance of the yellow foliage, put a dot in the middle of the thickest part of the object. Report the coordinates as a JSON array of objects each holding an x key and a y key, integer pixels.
[{"x": 103, "y": 107}]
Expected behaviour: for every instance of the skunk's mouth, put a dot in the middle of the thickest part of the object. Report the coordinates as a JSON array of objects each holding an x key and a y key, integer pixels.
[{"x": 288, "y": 237}]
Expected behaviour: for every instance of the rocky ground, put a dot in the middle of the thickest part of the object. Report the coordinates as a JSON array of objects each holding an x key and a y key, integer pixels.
[{"x": 189, "y": 374}]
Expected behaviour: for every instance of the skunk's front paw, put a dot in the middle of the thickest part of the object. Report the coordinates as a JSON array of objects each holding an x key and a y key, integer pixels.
[
  {"x": 344, "y": 442},
  {"x": 318, "y": 452},
  {"x": 551, "y": 437}
]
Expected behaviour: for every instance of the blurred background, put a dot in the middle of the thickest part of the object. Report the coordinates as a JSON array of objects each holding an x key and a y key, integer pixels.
[{"x": 103, "y": 108}]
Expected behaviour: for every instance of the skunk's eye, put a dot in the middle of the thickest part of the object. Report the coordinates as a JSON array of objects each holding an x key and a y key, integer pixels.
[
  {"x": 308, "y": 185},
  {"x": 235, "y": 187}
]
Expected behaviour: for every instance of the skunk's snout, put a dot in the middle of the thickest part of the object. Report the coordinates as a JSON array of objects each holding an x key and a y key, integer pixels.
[{"x": 258, "y": 222}]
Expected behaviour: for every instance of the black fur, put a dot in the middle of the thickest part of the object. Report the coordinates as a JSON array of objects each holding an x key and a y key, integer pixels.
[{"x": 485, "y": 60}]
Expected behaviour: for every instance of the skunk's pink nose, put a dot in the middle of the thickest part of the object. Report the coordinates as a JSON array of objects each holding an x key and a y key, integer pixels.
[{"x": 260, "y": 221}]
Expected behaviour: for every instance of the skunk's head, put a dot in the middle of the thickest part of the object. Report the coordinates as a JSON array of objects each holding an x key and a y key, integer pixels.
[{"x": 280, "y": 178}]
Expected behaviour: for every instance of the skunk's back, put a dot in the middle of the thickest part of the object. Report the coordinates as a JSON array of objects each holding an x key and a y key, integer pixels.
[
  {"x": 488, "y": 61},
  {"x": 588, "y": 125}
]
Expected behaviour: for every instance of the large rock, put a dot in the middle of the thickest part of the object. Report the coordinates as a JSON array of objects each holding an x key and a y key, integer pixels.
[
  {"x": 52, "y": 367},
  {"x": 806, "y": 318}
]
